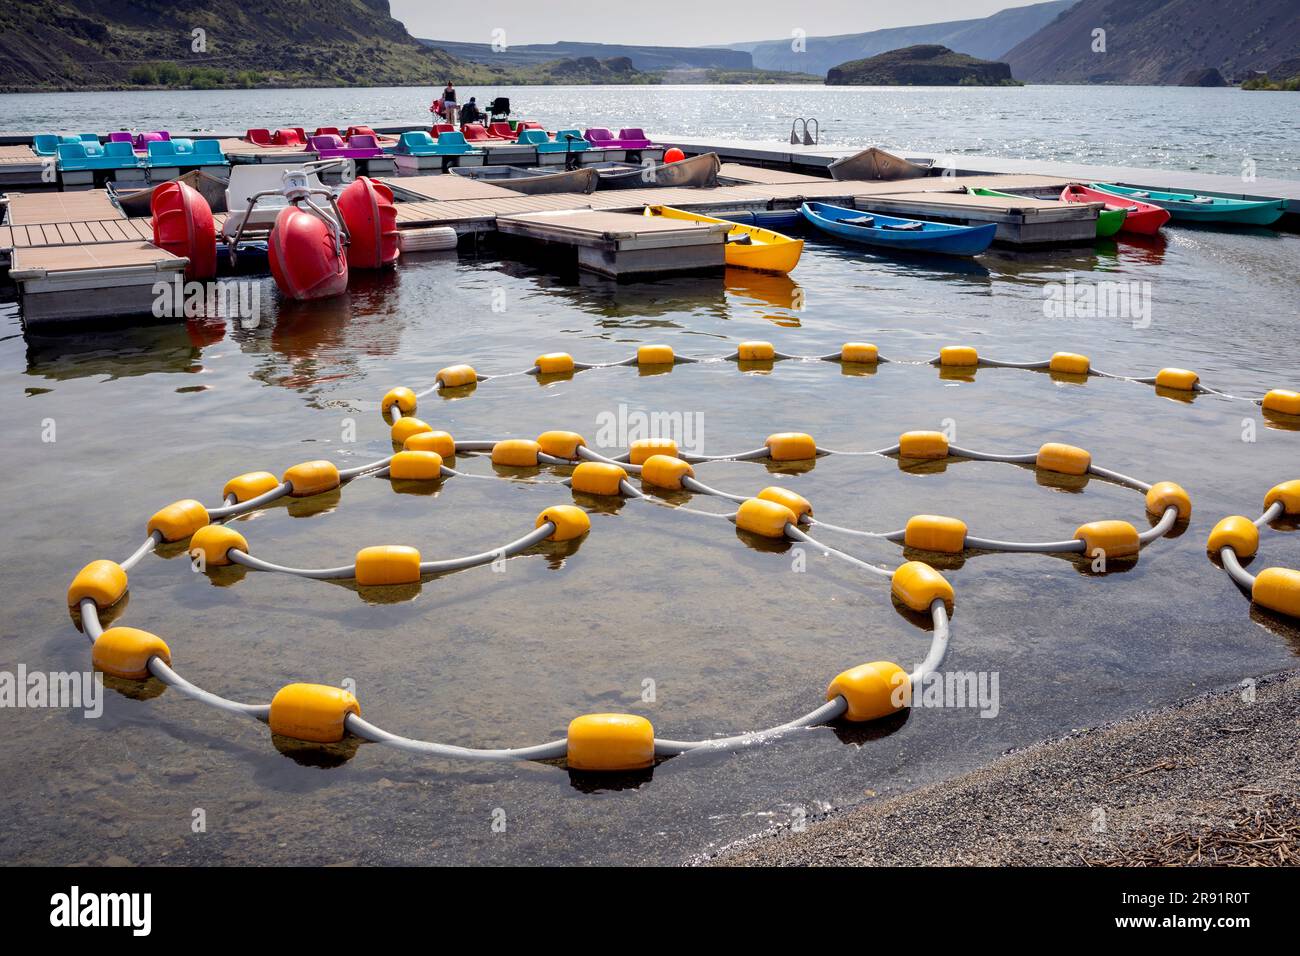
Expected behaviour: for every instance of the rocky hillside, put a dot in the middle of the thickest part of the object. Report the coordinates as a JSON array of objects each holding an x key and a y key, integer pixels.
[
  {"x": 1159, "y": 41},
  {"x": 79, "y": 44},
  {"x": 925, "y": 64},
  {"x": 987, "y": 37},
  {"x": 644, "y": 58}
]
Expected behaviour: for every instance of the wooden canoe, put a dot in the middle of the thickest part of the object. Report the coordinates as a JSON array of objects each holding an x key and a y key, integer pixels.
[
  {"x": 533, "y": 182},
  {"x": 136, "y": 202},
  {"x": 876, "y": 164},
  {"x": 699, "y": 171}
]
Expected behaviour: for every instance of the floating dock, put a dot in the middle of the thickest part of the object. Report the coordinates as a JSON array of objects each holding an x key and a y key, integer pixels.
[
  {"x": 20, "y": 166},
  {"x": 55, "y": 240},
  {"x": 815, "y": 159},
  {"x": 623, "y": 245},
  {"x": 76, "y": 282}
]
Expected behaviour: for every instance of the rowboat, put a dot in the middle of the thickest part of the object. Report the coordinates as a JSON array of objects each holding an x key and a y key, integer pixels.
[
  {"x": 1142, "y": 217},
  {"x": 877, "y": 164},
  {"x": 523, "y": 179},
  {"x": 748, "y": 247},
  {"x": 902, "y": 235},
  {"x": 1109, "y": 220},
  {"x": 137, "y": 202},
  {"x": 1190, "y": 207},
  {"x": 699, "y": 170}
]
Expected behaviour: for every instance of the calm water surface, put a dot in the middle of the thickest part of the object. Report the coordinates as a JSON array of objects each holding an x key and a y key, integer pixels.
[
  {"x": 1212, "y": 131},
  {"x": 731, "y": 636}
]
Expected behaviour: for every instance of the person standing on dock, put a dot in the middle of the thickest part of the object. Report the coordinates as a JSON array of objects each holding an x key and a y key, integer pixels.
[{"x": 449, "y": 111}]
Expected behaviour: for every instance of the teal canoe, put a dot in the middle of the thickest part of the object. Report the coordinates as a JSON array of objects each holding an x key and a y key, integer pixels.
[{"x": 1190, "y": 207}]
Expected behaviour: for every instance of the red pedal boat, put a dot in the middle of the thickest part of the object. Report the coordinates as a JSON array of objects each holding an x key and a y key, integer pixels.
[{"x": 1142, "y": 218}]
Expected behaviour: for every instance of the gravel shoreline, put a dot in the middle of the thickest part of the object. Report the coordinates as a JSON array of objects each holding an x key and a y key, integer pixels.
[{"x": 1212, "y": 780}]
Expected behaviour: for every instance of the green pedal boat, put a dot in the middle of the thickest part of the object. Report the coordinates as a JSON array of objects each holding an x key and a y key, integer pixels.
[
  {"x": 1109, "y": 221},
  {"x": 1190, "y": 207}
]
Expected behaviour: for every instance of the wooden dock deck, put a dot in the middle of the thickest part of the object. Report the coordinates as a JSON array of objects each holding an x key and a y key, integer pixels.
[
  {"x": 103, "y": 280},
  {"x": 624, "y": 245},
  {"x": 20, "y": 166},
  {"x": 818, "y": 158}
]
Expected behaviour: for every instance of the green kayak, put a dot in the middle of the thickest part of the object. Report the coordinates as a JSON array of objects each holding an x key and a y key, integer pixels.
[
  {"x": 1193, "y": 208},
  {"x": 1109, "y": 221}
]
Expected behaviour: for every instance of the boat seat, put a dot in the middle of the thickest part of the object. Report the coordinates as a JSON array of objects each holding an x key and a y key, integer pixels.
[
  {"x": 121, "y": 136},
  {"x": 326, "y": 131},
  {"x": 744, "y": 239},
  {"x": 362, "y": 131},
  {"x": 440, "y": 128},
  {"x": 1204, "y": 200},
  {"x": 566, "y": 141},
  {"x": 289, "y": 136},
  {"x": 902, "y": 226},
  {"x": 259, "y": 137},
  {"x": 87, "y": 155},
  {"x": 208, "y": 152},
  {"x": 475, "y": 133},
  {"x": 416, "y": 143},
  {"x": 328, "y": 141},
  {"x": 45, "y": 144},
  {"x": 532, "y": 137},
  {"x": 452, "y": 144},
  {"x": 501, "y": 130},
  {"x": 860, "y": 221}
]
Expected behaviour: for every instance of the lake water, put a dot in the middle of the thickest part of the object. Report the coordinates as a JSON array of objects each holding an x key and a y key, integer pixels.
[
  {"x": 1208, "y": 130},
  {"x": 731, "y": 633}
]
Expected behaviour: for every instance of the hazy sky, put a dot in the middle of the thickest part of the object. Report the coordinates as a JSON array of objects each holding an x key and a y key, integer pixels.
[{"x": 673, "y": 22}]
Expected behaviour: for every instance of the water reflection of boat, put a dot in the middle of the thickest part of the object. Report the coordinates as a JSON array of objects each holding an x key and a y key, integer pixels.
[
  {"x": 765, "y": 289},
  {"x": 1147, "y": 250},
  {"x": 917, "y": 265},
  {"x": 118, "y": 352}
]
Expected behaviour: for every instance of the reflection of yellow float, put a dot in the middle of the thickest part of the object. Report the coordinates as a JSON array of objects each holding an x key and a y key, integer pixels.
[{"x": 748, "y": 247}]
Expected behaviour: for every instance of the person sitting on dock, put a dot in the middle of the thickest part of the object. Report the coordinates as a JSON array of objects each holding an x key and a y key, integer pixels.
[{"x": 471, "y": 113}]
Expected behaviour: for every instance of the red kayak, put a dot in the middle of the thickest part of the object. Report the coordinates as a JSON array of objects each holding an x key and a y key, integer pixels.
[{"x": 1142, "y": 217}]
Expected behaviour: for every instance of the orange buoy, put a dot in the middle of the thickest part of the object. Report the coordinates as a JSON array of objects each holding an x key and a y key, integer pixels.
[
  {"x": 183, "y": 226},
  {"x": 305, "y": 260},
  {"x": 371, "y": 218},
  {"x": 673, "y": 155}
]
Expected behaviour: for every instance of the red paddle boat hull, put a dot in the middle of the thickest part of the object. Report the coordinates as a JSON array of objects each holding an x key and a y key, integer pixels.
[
  {"x": 182, "y": 225},
  {"x": 371, "y": 218},
  {"x": 303, "y": 257}
]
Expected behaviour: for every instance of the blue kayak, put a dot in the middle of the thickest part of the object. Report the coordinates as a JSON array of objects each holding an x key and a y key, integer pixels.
[
  {"x": 1193, "y": 208},
  {"x": 903, "y": 235}
]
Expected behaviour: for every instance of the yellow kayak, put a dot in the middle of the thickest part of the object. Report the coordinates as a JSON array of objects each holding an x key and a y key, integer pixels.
[{"x": 748, "y": 247}]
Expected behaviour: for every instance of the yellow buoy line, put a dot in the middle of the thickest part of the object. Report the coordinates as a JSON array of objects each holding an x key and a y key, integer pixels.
[
  {"x": 1236, "y": 539},
  {"x": 323, "y": 714},
  {"x": 952, "y": 359}
]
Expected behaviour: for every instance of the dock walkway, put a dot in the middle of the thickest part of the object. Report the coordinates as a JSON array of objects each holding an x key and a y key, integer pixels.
[{"x": 820, "y": 157}]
